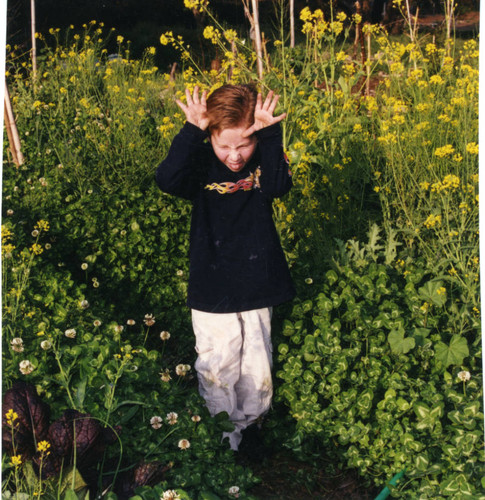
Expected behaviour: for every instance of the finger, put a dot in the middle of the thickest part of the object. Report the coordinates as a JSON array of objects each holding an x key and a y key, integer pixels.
[
  {"x": 204, "y": 98},
  {"x": 267, "y": 101},
  {"x": 259, "y": 101},
  {"x": 279, "y": 118},
  {"x": 249, "y": 131},
  {"x": 273, "y": 104},
  {"x": 188, "y": 96},
  {"x": 196, "y": 95},
  {"x": 181, "y": 105}
]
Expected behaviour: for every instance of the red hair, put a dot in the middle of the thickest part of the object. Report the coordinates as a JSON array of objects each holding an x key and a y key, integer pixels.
[{"x": 231, "y": 106}]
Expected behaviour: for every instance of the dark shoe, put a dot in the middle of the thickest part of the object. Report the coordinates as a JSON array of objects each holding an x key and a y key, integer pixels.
[{"x": 252, "y": 444}]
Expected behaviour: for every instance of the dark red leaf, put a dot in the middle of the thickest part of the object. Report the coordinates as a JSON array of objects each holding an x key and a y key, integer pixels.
[{"x": 33, "y": 418}]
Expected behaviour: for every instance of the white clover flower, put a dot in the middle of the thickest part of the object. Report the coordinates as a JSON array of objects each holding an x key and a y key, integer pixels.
[
  {"x": 164, "y": 335},
  {"x": 84, "y": 304},
  {"x": 130, "y": 322},
  {"x": 46, "y": 345},
  {"x": 95, "y": 283},
  {"x": 149, "y": 319},
  {"x": 309, "y": 281},
  {"x": 9, "y": 211},
  {"x": 35, "y": 233},
  {"x": 165, "y": 375},
  {"x": 48, "y": 246},
  {"x": 234, "y": 491},
  {"x": 156, "y": 422},
  {"x": 170, "y": 495},
  {"x": 172, "y": 418},
  {"x": 70, "y": 333},
  {"x": 26, "y": 367},
  {"x": 180, "y": 272},
  {"x": 119, "y": 328},
  {"x": 17, "y": 344},
  {"x": 97, "y": 323},
  {"x": 182, "y": 370},
  {"x": 184, "y": 444},
  {"x": 84, "y": 266},
  {"x": 196, "y": 418},
  {"x": 464, "y": 376}
]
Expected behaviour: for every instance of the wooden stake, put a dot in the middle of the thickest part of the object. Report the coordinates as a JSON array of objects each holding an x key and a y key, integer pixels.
[
  {"x": 12, "y": 132},
  {"x": 292, "y": 24},
  {"x": 257, "y": 38},
  {"x": 34, "y": 45}
]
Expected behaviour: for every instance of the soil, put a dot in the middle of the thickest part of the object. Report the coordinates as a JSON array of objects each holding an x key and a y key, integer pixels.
[
  {"x": 284, "y": 478},
  {"x": 469, "y": 21}
]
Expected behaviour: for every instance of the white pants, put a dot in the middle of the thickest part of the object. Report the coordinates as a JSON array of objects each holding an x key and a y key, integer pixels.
[{"x": 234, "y": 365}]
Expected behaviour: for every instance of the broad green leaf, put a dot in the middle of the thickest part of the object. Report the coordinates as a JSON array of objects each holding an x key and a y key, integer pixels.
[
  {"x": 399, "y": 344},
  {"x": 452, "y": 354},
  {"x": 434, "y": 293}
]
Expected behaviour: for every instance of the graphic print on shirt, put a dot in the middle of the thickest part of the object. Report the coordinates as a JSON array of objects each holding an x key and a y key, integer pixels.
[{"x": 250, "y": 182}]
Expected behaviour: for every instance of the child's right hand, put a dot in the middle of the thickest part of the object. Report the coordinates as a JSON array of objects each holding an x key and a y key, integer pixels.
[{"x": 195, "y": 109}]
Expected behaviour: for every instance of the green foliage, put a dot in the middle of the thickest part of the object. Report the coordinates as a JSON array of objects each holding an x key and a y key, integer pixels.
[{"x": 370, "y": 368}]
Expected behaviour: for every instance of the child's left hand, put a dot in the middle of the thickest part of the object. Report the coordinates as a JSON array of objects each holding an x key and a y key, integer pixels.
[{"x": 263, "y": 113}]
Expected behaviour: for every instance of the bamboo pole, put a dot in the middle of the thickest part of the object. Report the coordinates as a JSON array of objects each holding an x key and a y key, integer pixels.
[
  {"x": 367, "y": 62},
  {"x": 292, "y": 24},
  {"x": 257, "y": 38},
  {"x": 12, "y": 132},
  {"x": 34, "y": 45}
]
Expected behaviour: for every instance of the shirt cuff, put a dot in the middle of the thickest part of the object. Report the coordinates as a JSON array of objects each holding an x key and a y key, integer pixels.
[
  {"x": 196, "y": 133},
  {"x": 272, "y": 131}
]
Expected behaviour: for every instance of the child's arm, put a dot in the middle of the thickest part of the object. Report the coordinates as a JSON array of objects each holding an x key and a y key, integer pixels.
[
  {"x": 177, "y": 174},
  {"x": 275, "y": 179}
]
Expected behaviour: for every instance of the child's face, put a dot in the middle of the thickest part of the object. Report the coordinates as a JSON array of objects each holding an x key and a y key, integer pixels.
[{"x": 232, "y": 149}]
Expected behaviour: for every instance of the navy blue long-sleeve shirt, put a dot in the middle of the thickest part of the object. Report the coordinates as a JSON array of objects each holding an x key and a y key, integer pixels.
[{"x": 236, "y": 260}]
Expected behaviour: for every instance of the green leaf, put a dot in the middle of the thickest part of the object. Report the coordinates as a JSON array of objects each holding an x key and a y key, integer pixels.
[
  {"x": 433, "y": 292},
  {"x": 81, "y": 393},
  {"x": 70, "y": 495},
  {"x": 452, "y": 354},
  {"x": 206, "y": 495},
  {"x": 399, "y": 344}
]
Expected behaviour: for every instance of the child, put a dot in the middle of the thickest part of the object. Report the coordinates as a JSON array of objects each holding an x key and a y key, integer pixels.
[{"x": 238, "y": 271}]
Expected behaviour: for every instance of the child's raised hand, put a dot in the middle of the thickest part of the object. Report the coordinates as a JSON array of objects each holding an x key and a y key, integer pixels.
[
  {"x": 195, "y": 109},
  {"x": 263, "y": 113}
]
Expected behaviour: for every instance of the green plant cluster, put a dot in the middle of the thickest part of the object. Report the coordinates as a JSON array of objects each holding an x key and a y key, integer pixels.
[{"x": 374, "y": 367}]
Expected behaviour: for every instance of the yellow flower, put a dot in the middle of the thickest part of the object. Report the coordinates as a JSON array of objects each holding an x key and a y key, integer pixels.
[
  {"x": 230, "y": 35},
  {"x": 472, "y": 148},
  {"x": 436, "y": 80},
  {"x": 16, "y": 460},
  {"x": 36, "y": 249},
  {"x": 11, "y": 417},
  {"x": 432, "y": 221},
  {"x": 444, "y": 151},
  {"x": 212, "y": 34},
  {"x": 42, "y": 225},
  {"x": 43, "y": 446},
  {"x": 119, "y": 39}
]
